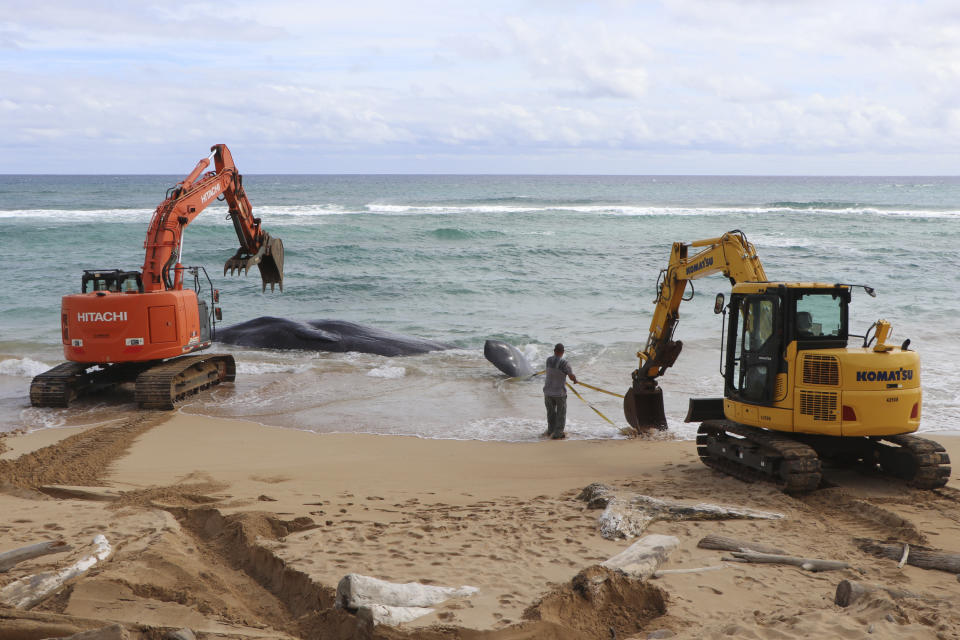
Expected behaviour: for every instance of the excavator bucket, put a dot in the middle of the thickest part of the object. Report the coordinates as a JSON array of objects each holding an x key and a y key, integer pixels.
[
  {"x": 643, "y": 408},
  {"x": 269, "y": 259},
  {"x": 271, "y": 266}
]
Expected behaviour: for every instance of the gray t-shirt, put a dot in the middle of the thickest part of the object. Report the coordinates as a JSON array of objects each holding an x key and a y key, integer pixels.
[{"x": 556, "y": 374}]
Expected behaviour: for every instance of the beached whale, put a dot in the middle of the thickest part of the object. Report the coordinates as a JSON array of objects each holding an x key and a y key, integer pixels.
[
  {"x": 507, "y": 358},
  {"x": 324, "y": 335}
]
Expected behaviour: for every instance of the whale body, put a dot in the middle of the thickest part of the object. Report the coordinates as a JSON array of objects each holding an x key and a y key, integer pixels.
[
  {"x": 337, "y": 336},
  {"x": 507, "y": 358}
]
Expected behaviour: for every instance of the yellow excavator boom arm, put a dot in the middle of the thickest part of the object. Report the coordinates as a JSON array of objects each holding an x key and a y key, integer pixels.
[{"x": 730, "y": 254}]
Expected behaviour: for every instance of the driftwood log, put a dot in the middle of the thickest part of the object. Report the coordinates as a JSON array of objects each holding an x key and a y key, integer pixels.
[
  {"x": 65, "y": 492},
  {"x": 809, "y": 564},
  {"x": 19, "y": 629},
  {"x": 17, "y": 624},
  {"x": 849, "y": 591},
  {"x": 721, "y": 543},
  {"x": 922, "y": 557},
  {"x": 10, "y": 558},
  {"x": 641, "y": 559},
  {"x": 31, "y": 590},
  {"x": 380, "y": 602},
  {"x": 628, "y": 515}
]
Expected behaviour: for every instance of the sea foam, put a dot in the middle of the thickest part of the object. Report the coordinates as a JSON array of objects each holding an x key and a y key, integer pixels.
[
  {"x": 387, "y": 372},
  {"x": 22, "y": 367}
]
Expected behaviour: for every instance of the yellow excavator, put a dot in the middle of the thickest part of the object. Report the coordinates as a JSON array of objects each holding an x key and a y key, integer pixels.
[{"x": 795, "y": 394}]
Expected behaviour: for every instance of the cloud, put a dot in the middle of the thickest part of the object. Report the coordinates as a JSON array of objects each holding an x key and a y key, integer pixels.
[
  {"x": 739, "y": 87},
  {"x": 585, "y": 58},
  {"x": 509, "y": 83},
  {"x": 101, "y": 23}
]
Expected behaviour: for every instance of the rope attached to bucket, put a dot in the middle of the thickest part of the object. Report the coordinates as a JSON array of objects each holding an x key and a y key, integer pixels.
[{"x": 597, "y": 411}]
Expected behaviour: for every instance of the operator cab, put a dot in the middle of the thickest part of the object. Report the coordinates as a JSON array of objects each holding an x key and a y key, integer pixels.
[
  {"x": 113, "y": 280},
  {"x": 764, "y": 320}
]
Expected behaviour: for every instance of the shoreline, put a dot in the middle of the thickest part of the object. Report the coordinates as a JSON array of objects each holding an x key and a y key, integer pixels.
[
  {"x": 206, "y": 513},
  {"x": 20, "y": 442}
]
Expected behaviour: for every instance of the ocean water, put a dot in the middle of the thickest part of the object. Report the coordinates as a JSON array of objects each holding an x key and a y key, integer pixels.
[{"x": 532, "y": 260}]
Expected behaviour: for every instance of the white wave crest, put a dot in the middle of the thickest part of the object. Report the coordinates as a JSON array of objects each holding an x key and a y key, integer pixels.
[
  {"x": 304, "y": 210},
  {"x": 400, "y": 209},
  {"x": 627, "y": 210},
  {"x": 387, "y": 372},
  {"x": 531, "y": 353},
  {"x": 516, "y": 429},
  {"x": 54, "y": 215},
  {"x": 783, "y": 241},
  {"x": 22, "y": 367},
  {"x": 33, "y": 419},
  {"x": 299, "y": 214},
  {"x": 258, "y": 368},
  {"x": 142, "y": 215}
]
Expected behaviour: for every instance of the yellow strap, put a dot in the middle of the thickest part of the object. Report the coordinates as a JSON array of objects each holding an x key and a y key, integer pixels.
[
  {"x": 590, "y": 405},
  {"x": 590, "y": 386}
]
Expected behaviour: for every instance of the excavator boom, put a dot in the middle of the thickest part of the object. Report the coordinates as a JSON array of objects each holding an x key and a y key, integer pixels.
[
  {"x": 185, "y": 201},
  {"x": 730, "y": 254}
]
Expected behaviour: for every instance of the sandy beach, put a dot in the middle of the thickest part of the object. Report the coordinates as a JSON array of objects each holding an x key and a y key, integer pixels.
[{"x": 233, "y": 529}]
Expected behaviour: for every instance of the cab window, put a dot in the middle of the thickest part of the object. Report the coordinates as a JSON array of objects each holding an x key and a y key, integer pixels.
[
  {"x": 754, "y": 358},
  {"x": 758, "y": 325},
  {"x": 819, "y": 316}
]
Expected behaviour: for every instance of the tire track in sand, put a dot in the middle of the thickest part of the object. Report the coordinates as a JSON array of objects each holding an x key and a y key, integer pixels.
[{"x": 81, "y": 459}]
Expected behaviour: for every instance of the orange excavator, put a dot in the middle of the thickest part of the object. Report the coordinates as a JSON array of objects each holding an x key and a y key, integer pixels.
[{"x": 140, "y": 326}]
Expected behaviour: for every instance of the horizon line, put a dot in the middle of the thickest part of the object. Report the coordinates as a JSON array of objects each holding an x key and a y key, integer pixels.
[{"x": 527, "y": 175}]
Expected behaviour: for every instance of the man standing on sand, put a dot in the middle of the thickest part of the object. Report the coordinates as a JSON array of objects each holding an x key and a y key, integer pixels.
[{"x": 555, "y": 392}]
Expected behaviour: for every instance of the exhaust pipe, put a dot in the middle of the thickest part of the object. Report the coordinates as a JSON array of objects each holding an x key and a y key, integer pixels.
[{"x": 269, "y": 258}]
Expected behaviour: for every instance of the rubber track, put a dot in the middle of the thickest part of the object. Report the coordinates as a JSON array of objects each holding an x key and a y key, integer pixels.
[
  {"x": 799, "y": 465},
  {"x": 928, "y": 466},
  {"x": 162, "y": 386},
  {"x": 56, "y": 387},
  {"x": 929, "y": 458}
]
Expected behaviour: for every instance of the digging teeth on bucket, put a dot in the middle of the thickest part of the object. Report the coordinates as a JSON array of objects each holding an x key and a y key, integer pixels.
[{"x": 269, "y": 259}]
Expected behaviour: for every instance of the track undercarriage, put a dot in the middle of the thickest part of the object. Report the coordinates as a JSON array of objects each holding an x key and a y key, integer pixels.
[
  {"x": 793, "y": 461},
  {"x": 158, "y": 384}
]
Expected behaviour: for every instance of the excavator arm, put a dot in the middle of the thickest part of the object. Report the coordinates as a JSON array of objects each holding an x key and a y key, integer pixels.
[
  {"x": 184, "y": 202},
  {"x": 730, "y": 254}
]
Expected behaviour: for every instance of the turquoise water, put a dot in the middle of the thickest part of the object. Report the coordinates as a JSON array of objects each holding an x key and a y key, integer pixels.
[{"x": 528, "y": 259}]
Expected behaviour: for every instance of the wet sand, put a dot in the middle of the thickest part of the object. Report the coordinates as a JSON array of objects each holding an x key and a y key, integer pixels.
[{"x": 238, "y": 530}]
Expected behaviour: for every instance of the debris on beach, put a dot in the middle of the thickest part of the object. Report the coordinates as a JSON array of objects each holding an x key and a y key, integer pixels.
[
  {"x": 641, "y": 559},
  {"x": 627, "y": 516},
  {"x": 30, "y": 590},
  {"x": 11, "y": 558},
  {"x": 381, "y": 602}
]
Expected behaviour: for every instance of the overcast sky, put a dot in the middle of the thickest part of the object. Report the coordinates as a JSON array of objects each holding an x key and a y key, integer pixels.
[{"x": 536, "y": 86}]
